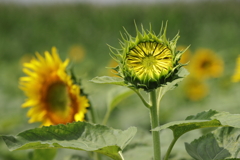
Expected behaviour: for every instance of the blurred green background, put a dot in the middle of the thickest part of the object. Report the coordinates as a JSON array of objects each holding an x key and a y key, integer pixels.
[{"x": 87, "y": 29}]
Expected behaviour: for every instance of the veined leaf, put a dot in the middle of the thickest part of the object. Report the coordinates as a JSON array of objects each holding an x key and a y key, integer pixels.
[
  {"x": 140, "y": 148},
  {"x": 204, "y": 119},
  {"x": 220, "y": 144},
  {"x": 109, "y": 80},
  {"x": 206, "y": 148},
  {"x": 78, "y": 135}
]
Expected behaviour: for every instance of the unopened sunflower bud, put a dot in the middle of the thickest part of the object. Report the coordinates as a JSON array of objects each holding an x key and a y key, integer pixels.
[{"x": 147, "y": 61}]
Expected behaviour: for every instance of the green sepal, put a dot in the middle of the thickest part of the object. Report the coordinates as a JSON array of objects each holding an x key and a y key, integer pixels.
[{"x": 129, "y": 42}]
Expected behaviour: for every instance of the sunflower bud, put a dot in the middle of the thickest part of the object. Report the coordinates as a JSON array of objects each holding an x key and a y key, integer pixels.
[{"x": 147, "y": 61}]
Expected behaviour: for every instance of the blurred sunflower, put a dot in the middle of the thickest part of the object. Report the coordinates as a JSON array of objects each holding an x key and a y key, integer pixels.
[
  {"x": 76, "y": 53},
  {"x": 205, "y": 63},
  {"x": 25, "y": 58},
  {"x": 51, "y": 93},
  {"x": 236, "y": 76},
  {"x": 195, "y": 89},
  {"x": 112, "y": 64}
]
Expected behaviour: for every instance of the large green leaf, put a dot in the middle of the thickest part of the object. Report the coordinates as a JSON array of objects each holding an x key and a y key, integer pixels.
[
  {"x": 78, "y": 135},
  {"x": 204, "y": 119},
  {"x": 140, "y": 148},
  {"x": 109, "y": 80},
  {"x": 220, "y": 144},
  {"x": 210, "y": 118}
]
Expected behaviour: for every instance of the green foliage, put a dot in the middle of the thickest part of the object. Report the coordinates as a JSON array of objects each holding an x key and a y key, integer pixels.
[
  {"x": 66, "y": 25},
  {"x": 78, "y": 135},
  {"x": 109, "y": 80},
  {"x": 140, "y": 147},
  {"x": 204, "y": 119},
  {"x": 43, "y": 154},
  {"x": 117, "y": 95},
  {"x": 220, "y": 144},
  {"x": 182, "y": 73},
  {"x": 114, "y": 97},
  {"x": 206, "y": 148}
]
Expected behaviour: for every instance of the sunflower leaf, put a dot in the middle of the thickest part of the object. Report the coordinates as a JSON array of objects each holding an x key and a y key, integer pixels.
[
  {"x": 210, "y": 118},
  {"x": 201, "y": 120},
  {"x": 109, "y": 80},
  {"x": 78, "y": 135},
  {"x": 220, "y": 144}
]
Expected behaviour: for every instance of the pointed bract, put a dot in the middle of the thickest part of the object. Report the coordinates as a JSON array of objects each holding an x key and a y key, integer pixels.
[{"x": 147, "y": 61}]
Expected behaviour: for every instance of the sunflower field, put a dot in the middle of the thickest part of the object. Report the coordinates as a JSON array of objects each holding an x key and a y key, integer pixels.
[{"x": 127, "y": 81}]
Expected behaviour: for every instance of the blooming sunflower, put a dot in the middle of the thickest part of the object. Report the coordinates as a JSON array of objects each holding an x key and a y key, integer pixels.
[
  {"x": 147, "y": 61},
  {"x": 205, "y": 63},
  {"x": 52, "y": 95},
  {"x": 236, "y": 76}
]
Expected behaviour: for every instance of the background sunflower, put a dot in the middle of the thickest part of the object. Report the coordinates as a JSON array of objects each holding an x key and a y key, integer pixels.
[{"x": 52, "y": 96}]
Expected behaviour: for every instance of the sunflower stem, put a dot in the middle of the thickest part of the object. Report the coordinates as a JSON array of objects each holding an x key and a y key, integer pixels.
[
  {"x": 106, "y": 117},
  {"x": 170, "y": 148},
  {"x": 154, "y": 117},
  {"x": 120, "y": 153},
  {"x": 92, "y": 112},
  {"x": 96, "y": 156},
  {"x": 141, "y": 97}
]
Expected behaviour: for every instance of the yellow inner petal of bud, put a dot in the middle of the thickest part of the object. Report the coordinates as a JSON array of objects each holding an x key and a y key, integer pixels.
[
  {"x": 150, "y": 60},
  {"x": 58, "y": 100}
]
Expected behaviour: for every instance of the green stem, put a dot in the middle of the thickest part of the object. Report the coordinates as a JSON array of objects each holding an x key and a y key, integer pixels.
[
  {"x": 170, "y": 148},
  {"x": 155, "y": 123},
  {"x": 120, "y": 153},
  {"x": 92, "y": 114},
  {"x": 141, "y": 97},
  {"x": 96, "y": 156},
  {"x": 106, "y": 117},
  {"x": 160, "y": 95}
]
